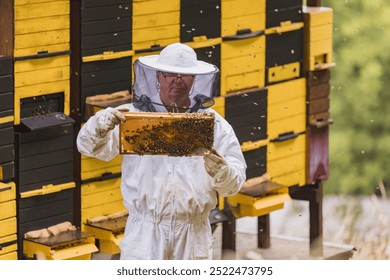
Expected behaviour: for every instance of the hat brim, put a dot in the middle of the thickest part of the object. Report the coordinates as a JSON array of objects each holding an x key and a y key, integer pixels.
[{"x": 200, "y": 68}]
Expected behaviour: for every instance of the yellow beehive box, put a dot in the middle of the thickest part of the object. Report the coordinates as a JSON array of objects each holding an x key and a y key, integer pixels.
[
  {"x": 8, "y": 247},
  {"x": 242, "y": 63},
  {"x": 286, "y": 108},
  {"x": 238, "y": 15},
  {"x": 155, "y": 22},
  {"x": 318, "y": 38},
  {"x": 109, "y": 232},
  {"x": 7, "y": 191},
  {"x": 258, "y": 199},
  {"x": 68, "y": 245},
  {"x": 41, "y": 26}
]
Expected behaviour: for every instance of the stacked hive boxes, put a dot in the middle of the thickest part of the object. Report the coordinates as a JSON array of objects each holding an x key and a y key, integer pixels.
[
  {"x": 155, "y": 25},
  {"x": 284, "y": 42},
  {"x": 39, "y": 33},
  {"x": 318, "y": 60},
  {"x": 6, "y": 119},
  {"x": 274, "y": 58},
  {"x": 200, "y": 23},
  {"x": 45, "y": 133},
  {"x": 243, "y": 45},
  {"x": 106, "y": 47},
  {"x": 8, "y": 238},
  {"x": 268, "y": 59},
  {"x": 106, "y": 62},
  {"x": 294, "y": 149},
  {"x": 242, "y": 81}
]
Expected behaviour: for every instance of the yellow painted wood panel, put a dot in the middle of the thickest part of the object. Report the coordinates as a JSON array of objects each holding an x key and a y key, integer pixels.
[
  {"x": 38, "y": 25},
  {"x": 156, "y": 34},
  {"x": 284, "y": 72},
  {"x": 7, "y": 191},
  {"x": 236, "y": 8},
  {"x": 10, "y": 256},
  {"x": 101, "y": 210},
  {"x": 219, "y": 105},
  {"x": 155, "y": 20},
  {"x": 42, "y": 76},
  {"x": 286, "y": 165},
  {"x": 37, "y": 49},
  {"x": 98, "y": 173},
  {"x": 6, "y": 119},
  {"x": 109, "y": 196},
  {"x": 279, "y": 150},
  {"x": 25, "y": 2},
  {"x": 148, "y": 44},
  {"x": 241, "y": 199},
  {"x": 46, "y": 38},
  {"x": 41, "y": 89},
  {"x": 10, "y": 248},
  {"x": 7, "y": 227},
  {"x": 270, "y": 200},
  {"x": 296, "y": 178},
  {"x": 319, "y": 33},
  {"x": 243, "y": 64},
  {"x": 315, "y": 16},
  {"x": 287, "y": 108},
  {"x": 91, "y": 164},
  {"x": 232, "y": 25},
  {"x": 7, "y": 209},
  {"x": 84, "y": 157},
  {"x": 262, "y": 202},
  {"x": 320, "y": 47},
  {"x": 41, "y": 63},
  {"x": 40, "y": 10},
  {"x": 110, "y": 247},
  {"x": 243, "y": 81},
  {"x": 286, "y": 90},
  {"x": 155, "y": 6},
  {"x": 247, "y": 210},
  {"x": 100, "y": 186},
  {"x": 294, "y": 124},
  {"x": 244, "y": 47}
]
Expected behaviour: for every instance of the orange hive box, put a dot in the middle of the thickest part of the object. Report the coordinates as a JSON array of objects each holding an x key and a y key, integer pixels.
[{"x": 173, "y": 134}]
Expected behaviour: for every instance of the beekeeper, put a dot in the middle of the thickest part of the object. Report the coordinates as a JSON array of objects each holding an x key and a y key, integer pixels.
[{"x": 169, "y": 199}]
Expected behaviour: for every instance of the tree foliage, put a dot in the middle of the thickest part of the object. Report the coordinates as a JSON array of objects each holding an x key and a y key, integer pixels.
[{"x": 360, "y": 96}]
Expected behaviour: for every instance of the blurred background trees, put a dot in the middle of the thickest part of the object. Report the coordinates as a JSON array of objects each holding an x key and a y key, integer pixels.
[{"x": 360, "y": 97}]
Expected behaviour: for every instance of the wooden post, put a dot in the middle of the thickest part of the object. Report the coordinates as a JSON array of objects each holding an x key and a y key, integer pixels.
[
  {"x": 229, "y": 231},
  {"x": 75, "y": 60},
  {"x": 263, "y": 232},
  {"x": 316, "y": 222},
  {"x": 6, "y": 27},
  {"x": 313, "y": 194},
  {"x": 314, "y": 3}
]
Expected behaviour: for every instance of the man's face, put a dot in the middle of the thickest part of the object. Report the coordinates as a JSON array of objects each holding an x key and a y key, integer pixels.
[{"x": 175, "y": 88}]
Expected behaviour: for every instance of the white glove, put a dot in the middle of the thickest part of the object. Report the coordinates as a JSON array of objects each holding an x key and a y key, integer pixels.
[
  {"x": 216, "y": 166},
  {"x": 107, "y": 119}
]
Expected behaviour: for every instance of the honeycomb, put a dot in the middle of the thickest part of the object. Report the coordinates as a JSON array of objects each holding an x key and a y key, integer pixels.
[{"x": 172, "y": 134}]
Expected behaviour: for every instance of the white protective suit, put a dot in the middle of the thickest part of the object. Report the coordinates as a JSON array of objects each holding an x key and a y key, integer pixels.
[{"x": 169, "y": 199}]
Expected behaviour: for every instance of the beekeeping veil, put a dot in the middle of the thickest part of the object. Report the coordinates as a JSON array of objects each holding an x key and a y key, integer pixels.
[{"x": 179, "y": 59}]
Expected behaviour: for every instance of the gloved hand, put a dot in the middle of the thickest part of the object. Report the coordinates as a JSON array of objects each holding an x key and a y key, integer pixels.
[
  {"x": 215, "y": 165},
  {"x": 107, "y": 120}
]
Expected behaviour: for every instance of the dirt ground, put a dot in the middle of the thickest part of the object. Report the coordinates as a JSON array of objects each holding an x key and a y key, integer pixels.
[
  {"x": 363, "y": 222},
  {"x": 359, "y": 222}
]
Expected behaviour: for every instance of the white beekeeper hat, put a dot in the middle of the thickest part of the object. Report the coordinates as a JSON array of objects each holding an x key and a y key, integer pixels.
[{"x": 178, "y": 58}]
